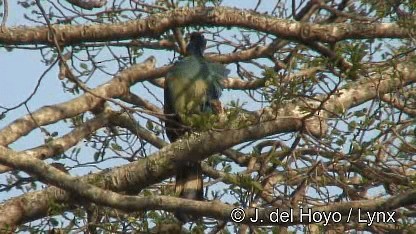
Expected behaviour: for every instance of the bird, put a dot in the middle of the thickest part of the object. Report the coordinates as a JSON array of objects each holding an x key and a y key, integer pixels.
[{"x": 192, "y": 89}]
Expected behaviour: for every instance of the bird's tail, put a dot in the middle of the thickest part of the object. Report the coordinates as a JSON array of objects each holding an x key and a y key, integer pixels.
[{"x": 189, "y": 184}]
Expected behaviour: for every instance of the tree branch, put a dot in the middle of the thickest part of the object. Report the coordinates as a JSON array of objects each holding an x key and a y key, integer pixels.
[
  {"x": 211, "y": 209},
  {"x": 61, "y": 144},
  {"x": 51, "y": 114},
  {"x": 157, "y": 24}
]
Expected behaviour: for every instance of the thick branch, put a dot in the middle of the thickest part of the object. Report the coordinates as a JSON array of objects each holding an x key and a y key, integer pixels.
[
  {"x": 62, "y": 144},
  {"x": 50, "y": 114},
  {"x": 374, "y": 87},
  {"x": 210, "y": 209},
  {"x": 157, "y": 167},
  {"x": 157, "y": 24}
]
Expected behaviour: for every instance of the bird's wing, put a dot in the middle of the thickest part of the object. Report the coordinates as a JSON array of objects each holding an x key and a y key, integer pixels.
[{"x": 192, "y": 84}]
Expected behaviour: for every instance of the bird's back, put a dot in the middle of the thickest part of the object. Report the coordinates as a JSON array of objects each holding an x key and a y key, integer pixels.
[{"x": 193, "y": 82}]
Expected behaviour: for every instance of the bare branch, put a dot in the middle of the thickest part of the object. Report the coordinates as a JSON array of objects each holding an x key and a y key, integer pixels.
[
  {"x": 156, "y": 24},
  {"x": 51, "y": 114}
]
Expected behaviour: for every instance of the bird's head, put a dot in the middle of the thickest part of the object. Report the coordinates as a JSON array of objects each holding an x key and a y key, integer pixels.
[{"x": 197, "y": 44}]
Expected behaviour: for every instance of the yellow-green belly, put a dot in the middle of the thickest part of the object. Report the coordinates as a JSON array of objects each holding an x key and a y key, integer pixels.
[{"x": 188, "y": 94}]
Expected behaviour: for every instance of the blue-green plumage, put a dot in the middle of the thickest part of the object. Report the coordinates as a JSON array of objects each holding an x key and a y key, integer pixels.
[
  {"x": 193, "y": 83},
  {"x": 192, "y": 87}
]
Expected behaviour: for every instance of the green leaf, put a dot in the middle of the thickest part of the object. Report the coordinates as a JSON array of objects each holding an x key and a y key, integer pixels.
[
  {"x": 149, "y": 125},
  {"x": 97, "y": 156},
  {"x": 84, "y": 66},
  {"x": 257, "y": 186},
  {"x": 227, "y": 168},
  {"x": 356, "y": 148},
  {"x": 116, "y": 147},
  {"x": 54, "y": 222},
  {"x": 340, "y": 142},
  {"x": 352, "y": 126}
]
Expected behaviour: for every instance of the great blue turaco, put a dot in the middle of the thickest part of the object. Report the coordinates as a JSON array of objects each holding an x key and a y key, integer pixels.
[{"x": 192, "y": 89}]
